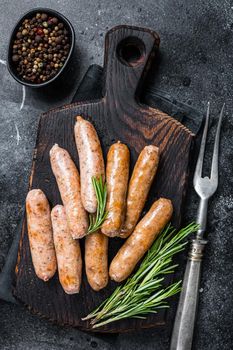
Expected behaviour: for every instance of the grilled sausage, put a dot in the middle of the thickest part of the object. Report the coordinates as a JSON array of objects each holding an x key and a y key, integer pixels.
[
  {"x": 90, "y": 159},
  {"x": 139, "y": 186},
  {"x": 141, "y": 239},
  {"x": 96, "y": 260},
  {"x": 68, "y": 252},
  {"x": 40, "y": 235},
  {"x": 68, "y": 181},
  {"x": 117, "y": 175}
]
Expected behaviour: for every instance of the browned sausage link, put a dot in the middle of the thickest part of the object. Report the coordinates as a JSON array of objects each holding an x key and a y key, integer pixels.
[
  {"x": 68, "y": 182},
  {"x": 117, "y": 175},
  {"x": 90, "y": 159},
  {"x": 141, "y": 239},
  {"x": 139, "y": 186},
  {"x": 96, "y": 260},
  {"x": 40, "y": 235},
  {"x": 69, "y": 259}
]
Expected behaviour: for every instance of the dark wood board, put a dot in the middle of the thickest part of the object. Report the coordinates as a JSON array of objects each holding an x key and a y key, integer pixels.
[{"x": 117, "y": 116}]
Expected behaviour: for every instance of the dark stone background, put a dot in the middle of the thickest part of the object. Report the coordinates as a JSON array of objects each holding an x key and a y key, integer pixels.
[{"x": 196, "y": 66}]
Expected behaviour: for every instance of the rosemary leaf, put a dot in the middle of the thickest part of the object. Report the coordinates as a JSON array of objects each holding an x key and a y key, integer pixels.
[
  {"x": 145, "y": 291},
  {"x": 97, "y": 219}
]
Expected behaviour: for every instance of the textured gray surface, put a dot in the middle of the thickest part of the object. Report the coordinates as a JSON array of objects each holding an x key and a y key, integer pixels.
[{"x": 196, "y": 66}]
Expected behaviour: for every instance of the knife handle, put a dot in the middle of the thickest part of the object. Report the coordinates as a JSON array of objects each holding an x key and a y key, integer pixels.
[
  {"x": 7, "y": 275},
  {"x": 182, "y": 335}
]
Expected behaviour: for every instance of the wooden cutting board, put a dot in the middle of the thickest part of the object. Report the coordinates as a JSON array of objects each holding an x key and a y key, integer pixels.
[{"x": 117, "y": 116}]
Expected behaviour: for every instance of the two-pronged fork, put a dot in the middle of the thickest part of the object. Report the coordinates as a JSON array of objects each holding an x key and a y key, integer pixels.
[{"x": 205, "y": 187}]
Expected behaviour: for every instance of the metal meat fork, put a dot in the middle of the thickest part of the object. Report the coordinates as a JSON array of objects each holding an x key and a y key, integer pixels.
[{"x": 205, "y": 187}]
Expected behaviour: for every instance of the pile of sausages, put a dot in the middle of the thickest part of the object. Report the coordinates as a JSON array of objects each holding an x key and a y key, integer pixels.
[{"x": 54, "y": 235}]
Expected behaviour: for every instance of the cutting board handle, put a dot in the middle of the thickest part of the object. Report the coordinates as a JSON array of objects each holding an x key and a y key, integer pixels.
[{"x": 128, "y": 53}]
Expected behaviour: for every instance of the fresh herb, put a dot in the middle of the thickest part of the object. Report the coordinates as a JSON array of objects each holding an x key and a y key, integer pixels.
[
  {"x": 144, "y": 292},
  {"x": 97, "y": 219}
]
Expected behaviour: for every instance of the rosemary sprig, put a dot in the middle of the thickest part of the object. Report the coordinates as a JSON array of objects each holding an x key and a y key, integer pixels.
[
  {"x": 144, "y": 292},
  {"x": 97, "y": 219}
]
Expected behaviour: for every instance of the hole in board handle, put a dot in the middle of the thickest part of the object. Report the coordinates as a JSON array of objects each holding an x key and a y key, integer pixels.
[{"x": 131, "y": 51}]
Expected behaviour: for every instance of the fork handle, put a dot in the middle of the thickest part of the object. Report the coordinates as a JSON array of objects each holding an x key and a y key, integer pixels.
[
  {"x": 202, "y": 217},
  {"x": 182, "y": 335}
]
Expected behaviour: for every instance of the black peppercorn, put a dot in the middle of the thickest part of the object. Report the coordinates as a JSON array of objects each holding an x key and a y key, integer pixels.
[
  {"x": 58, "y": 40},
  {"x": 44, "y": 16},
  {"x": 54, "y": 20},
  {"x": 15, "y": 58},
  {"x": 19, "y": 35},
  {"x": 38, "y": 38},
  {"x": 40, "y": 48}
]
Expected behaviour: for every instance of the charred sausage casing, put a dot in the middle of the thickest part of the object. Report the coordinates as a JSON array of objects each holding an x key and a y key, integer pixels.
[
  {"x": 68, "y": 252},
  {"x": 117, "y": 175},
  {"x": 90, "y": 160},
  {"x": 96, "y": 260},
  {"x": 139, "y": 186},
  {"x": 40, "y": 234},
  {"x": 141, "y": 239},
  {"x": 68, "y": 181}
]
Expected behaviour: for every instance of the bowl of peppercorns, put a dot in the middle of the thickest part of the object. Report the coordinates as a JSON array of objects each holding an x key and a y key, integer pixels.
[{"x": 40, "y": 47}]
